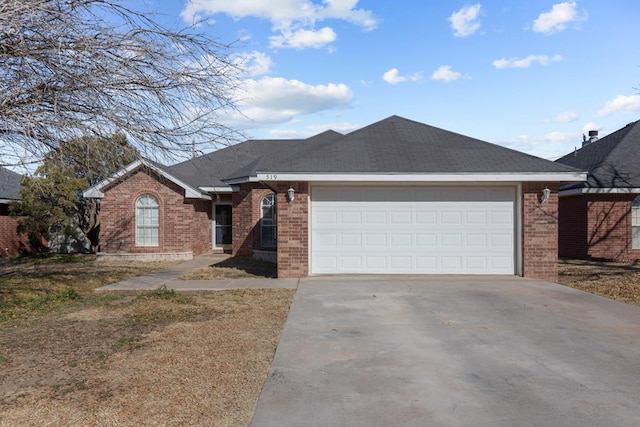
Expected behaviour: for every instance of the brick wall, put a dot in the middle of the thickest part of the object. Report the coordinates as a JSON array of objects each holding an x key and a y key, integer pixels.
[
  {"x": 572, "y": 227},
  {"x": 609, "y": 227},
  {"x": 185, "y": 225},
  {"x": 293, "y": 231},
  {"x": 539, "y": 232},
  {"x": 597, "y": 226},
  {"x": 246, "y": 218},
  {"x": 11, "y": 243}
]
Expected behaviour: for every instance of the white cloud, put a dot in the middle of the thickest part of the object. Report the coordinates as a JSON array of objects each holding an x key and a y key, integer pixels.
[
  {"x": 254, "y": 63},
  {"x": 565, "y": 117},
  {"x": 557, "y": 18},
  {"x": 628, "y": 104},
  {"x": 446, "y": 74},
  {"x": 293, "y": 20},
  {"x": 551, "y": 146},
  {"x": 272, "y": 100},
  {"x": 526, "y": 62},
  {"x": 590, "y": 126},
  {"x": 301, "y": 39},
  {"x": 393, "y": 77},
  {"x": 465, "y": 21}
]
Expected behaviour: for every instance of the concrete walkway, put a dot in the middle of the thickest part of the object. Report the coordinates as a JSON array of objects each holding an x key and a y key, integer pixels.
[
  {"x": 169, "y": 278},
  {"x": 452, "y": 351}
]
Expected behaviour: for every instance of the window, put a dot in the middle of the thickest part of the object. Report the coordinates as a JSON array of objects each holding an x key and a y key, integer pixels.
[
  {"x": 635, "y": 223},
  {"x": 147, "y": 221},
  {"x": 268, "y": 223},
  {"x": 224, "y": 229}
]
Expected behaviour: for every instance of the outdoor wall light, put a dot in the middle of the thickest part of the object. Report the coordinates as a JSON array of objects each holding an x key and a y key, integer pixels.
[
  {"x": 545, "y": 195},
  {"x": 290, "y": 194}
]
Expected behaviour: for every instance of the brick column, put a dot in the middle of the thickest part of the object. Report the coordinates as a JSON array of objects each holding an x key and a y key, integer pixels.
[
  {"x": 539, "y": 232},
  {"x": 293, "y": 231}
]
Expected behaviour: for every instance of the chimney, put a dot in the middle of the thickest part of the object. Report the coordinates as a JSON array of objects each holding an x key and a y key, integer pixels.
[{"x": 593, "y": 137}]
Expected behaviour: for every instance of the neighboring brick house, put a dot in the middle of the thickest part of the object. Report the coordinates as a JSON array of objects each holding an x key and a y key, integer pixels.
[
  {"x": 11, "y": 243},
  {"x": 600, "y": 217},
  {"x": 395, "y": 197}
]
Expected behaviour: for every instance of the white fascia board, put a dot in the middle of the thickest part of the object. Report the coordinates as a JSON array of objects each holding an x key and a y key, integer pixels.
[
  {"x": 242, "y": 180},
  {"x": 228, "y": 189},
  {"x": 7, "y": 201},
  {"x": 453, "y": 177},
  {"x": 95, "y": 192},
  {"x": 578, "y": 191}
]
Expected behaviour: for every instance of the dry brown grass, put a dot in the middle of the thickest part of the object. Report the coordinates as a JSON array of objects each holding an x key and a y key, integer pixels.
[
  {"x": 233, "y": 268},
  {"x": 152, "y": 358},
  {"x": 612, "y": 280}
]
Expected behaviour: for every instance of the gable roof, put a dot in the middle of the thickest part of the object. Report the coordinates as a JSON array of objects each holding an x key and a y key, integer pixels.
[
  {"x": 612, "y": 162},
  {"x": 96, "y": 191},
  {"x": 391, "y": 149},
  {"x": 9, "y": 185}
]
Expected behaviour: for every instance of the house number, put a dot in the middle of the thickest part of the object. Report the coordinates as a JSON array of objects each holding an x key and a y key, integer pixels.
[{"x": 271, "y": 176}]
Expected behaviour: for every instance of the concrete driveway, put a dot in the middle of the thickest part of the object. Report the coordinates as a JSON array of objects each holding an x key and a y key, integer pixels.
[{"x": 452, "y": 351}]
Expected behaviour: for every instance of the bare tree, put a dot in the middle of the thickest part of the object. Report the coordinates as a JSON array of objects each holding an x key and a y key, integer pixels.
[{"x": 73, "y": 68}]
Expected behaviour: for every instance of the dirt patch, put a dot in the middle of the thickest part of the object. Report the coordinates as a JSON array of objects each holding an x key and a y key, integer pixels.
[
  {"x": 172, "y": 360},
  {"x": 612, "y": 280},
  {"x": 233, "y": 268}
]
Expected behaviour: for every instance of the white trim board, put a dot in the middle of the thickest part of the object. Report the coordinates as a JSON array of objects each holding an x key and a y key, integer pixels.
[
  {"x": 579, "y": 191},
  {"x": 425, "y": 178},
  {"x": 95, "y": 191}
]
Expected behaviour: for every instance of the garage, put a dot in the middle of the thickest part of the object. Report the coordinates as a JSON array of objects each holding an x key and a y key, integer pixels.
[{"x": 413, "y": 229}]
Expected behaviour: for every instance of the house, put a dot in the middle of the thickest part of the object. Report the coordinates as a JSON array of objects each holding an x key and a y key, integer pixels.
[
  {"x": 394, "y": 197},
  {"x": 600, "y": 217},
  {"x": 11, "y": 243}
]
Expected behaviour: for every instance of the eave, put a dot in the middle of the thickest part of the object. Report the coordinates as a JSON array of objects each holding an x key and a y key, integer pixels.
[
  {"x": 423, "y": 178},
  {"x": 95, "y": 192}
]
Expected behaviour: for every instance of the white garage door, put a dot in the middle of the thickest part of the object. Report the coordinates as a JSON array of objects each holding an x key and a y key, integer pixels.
[{"x": 412, "y": 230}]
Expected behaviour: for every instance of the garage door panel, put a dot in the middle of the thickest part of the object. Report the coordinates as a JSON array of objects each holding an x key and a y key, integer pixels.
[
  {"x": 351, "y": 217},
  {"x": 426, "y": 240},
  {"x": 446, "y": 230}
]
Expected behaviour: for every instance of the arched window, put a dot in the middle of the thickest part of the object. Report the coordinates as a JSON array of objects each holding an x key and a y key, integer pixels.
[
  {"x": 268, "y": 222},
  {"x": 635, "y": 223},
  {"x": 147, "y": 221}
]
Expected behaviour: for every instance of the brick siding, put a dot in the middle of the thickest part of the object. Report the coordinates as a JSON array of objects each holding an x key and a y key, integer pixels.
[
  {"x": 293, "y": 231},
  {"x": 604, "y": 220},
  {"x": 185, "y": 224},
  {"x": 11, "y": 243},
  {"x": 539, "y": 232},
  {"x": 246, "y": 205}
]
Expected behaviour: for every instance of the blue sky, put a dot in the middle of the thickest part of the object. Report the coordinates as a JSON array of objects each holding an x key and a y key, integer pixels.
[{"x": 529, "y": 75}]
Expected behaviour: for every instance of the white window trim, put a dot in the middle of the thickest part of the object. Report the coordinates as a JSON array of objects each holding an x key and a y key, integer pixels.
[
  {"x": 139, "y": 227},
  {"x": 274, "y": 223},
  {"x": 635, "y": 207}
]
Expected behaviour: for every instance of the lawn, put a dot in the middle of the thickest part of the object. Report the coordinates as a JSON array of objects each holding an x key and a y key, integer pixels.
[
  {"x": 70, "y": 356},
  {"x": 612, "y": 280}
]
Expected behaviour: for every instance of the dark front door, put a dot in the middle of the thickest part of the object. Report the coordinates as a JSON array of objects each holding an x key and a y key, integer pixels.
[{"x": 223, "y": 225}]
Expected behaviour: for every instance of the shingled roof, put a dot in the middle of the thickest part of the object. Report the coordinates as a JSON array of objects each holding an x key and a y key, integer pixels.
[
  {"x": 612, "y": 161},
  {"x": 209, "y": 170},
  {"x": 9, "y": 184},
  {"x": 393, "y": 146},
  {"x": 400, "y": 146}
]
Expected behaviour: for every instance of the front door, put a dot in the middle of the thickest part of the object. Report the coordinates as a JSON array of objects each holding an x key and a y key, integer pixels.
[{"x": 223, "y": 226}]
